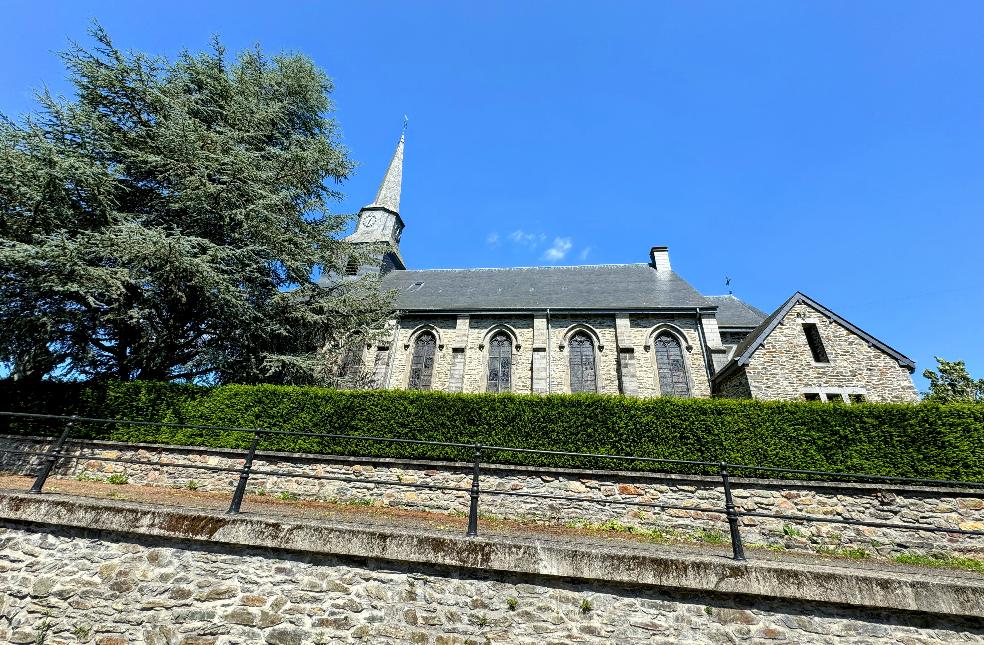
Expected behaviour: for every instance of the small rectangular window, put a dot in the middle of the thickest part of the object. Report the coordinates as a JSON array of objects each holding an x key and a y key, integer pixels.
[
  {"x": 835, "y": 397},
  {"x": 856, "y": 398},
  {"x": 811, "y": 396},
  {"x": 816, "y": 343}
]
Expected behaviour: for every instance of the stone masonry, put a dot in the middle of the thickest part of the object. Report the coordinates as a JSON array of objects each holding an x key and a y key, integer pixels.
[
  {"x": 461, "y": 359},
  {"x": 71, "y": 584},
  {"x": 783, "y": 367},
  {"x": 590, "y": 497}
]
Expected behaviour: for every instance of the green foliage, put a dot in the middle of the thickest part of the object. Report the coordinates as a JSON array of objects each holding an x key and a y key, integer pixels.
[
  {"x": 941, "y": 561},
  {"x": 791, "y": 530},
  {"x": 953, "y": 384},
  {"x": 709, "y": 536},
  {"x": 855, "y": 554},
  {"x": 81, "y": 632},
  {"x": 117, "y": 478},
  {"x": 925, "y": 440},
  {"x": 166, "y": 222}
]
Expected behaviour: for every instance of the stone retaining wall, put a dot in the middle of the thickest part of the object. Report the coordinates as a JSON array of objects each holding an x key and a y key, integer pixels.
[
  {"x": 63, "y": 583},
  {"x": 949, "y": 508}
]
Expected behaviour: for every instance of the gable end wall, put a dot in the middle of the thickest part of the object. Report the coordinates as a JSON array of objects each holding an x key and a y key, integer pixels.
[{"x": 783, "y": 367}]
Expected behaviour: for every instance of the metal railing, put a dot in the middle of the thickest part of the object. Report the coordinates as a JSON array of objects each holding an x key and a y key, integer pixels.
[{"x": 730, "y": 512}]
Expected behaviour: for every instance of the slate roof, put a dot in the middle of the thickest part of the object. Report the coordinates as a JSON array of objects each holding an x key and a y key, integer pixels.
[
  {"x": 733, "y": 312},
  {"x": 743, "y": 352},
  {"x": 388, "y": 195},
  {"x": 603, "y": 286}
]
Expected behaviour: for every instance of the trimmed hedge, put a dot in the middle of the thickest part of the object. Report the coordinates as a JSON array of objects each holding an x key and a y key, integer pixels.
[{"x": 922, "y": 440}]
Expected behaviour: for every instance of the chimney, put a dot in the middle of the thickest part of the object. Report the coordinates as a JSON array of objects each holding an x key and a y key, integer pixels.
[{"x": 660, "y": 258}]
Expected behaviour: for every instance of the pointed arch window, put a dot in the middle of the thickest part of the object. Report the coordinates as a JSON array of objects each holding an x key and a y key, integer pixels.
[
  {"x": 351, "y": 365},
  {"x": 670, "y": 367},
  {"x": 422, "y": 363},
  {"x": 582, "y": 357},
  {"x": 500, "y": 363}
]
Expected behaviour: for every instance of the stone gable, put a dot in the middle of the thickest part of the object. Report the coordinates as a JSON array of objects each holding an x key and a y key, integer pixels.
[{"x": 782, "y": 367}]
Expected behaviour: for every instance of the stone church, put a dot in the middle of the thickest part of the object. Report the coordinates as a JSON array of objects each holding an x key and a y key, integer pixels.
[{"x": 633, "y": 329}]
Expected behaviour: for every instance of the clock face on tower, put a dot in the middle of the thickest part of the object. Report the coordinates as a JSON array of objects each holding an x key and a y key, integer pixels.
[{"x": 369, "y": 220}]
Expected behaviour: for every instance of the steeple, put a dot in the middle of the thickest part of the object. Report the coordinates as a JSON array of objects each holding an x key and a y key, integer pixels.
[
  {"x": 380, "y": 222},
  {"x": 388, "y": 195}
]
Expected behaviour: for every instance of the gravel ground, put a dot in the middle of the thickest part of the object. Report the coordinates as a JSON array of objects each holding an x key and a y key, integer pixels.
[{"x": 387, "y": 517}]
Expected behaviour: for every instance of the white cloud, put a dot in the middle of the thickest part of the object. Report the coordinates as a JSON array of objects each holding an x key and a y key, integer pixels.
[
  {"x": 519, "y": 236},
  {"x": 492, "y": 238},
  {"x": 583, "y": 255},
  {"x": 557, "y": 252}
]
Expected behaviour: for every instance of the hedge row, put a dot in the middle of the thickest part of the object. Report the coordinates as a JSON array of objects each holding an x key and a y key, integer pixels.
[{"x": 924, "y": 440}]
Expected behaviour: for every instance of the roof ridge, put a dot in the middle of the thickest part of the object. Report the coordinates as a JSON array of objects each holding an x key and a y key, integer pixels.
[{"x": 563, "y": 266}]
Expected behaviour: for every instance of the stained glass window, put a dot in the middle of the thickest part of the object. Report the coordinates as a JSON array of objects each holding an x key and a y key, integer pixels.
[
  {"x": 582, "y": 363},
  {"x": 422, "y": 363},
  {"x": 500, "y": 364},
  {"x": 670, "y": 367}
]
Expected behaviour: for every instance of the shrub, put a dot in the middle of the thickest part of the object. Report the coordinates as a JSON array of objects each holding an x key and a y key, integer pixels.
[{"x": 923, "y": 440}]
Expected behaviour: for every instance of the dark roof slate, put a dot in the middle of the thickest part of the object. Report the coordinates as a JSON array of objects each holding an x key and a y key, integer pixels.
[
  {"x": 733, "y": 312},
  {"x": 743, "y": 352},
  {"x": 603, "y": 286}
]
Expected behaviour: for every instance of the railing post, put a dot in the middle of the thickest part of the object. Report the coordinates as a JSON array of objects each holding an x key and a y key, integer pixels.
[
  {"x": 49, "y": 461},
  {"x": 732, "y": 514},
  {"x": 237, "y": 497},
  {"x": 473, "y": 508}
]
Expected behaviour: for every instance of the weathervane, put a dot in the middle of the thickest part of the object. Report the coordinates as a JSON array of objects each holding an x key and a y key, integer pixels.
[
  {"x": 727, "y": 283},
  {"x": 406, "y": 120}
]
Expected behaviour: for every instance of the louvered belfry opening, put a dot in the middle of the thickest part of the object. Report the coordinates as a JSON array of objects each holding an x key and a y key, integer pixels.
[
  {"x": 582, "y": 358},
  {"x": 500, "y": 364},
  {"x": 422, "y": 363},
  {"x": 670, "y": 366}
]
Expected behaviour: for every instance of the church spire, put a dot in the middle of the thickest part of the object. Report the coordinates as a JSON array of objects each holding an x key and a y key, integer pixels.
[
  {"x": 380, "y": 222},
  {"x": 388, "y": 196}
]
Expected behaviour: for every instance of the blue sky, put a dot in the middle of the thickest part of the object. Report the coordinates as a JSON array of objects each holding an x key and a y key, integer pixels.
[{"x": 835, "y": 148}]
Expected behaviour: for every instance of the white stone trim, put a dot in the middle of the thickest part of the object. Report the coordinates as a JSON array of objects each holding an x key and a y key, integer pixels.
[
  {"x": 659, "y": 328},
  {"x": 419, "y": 329},
  {"x": 503, "y": 327},
  {"x": 843, "y": 391},
  {"x": 576, "y": 327}
]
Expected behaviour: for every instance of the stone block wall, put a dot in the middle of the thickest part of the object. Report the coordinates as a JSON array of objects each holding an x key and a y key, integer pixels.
[
  {"x": 643, "y": 330},
  {"x": 65, "y": 585},
  {"x": 733, "y": 386},
  {"x": 606, "y": 352},
  {"x": 783, "y": 367},
  {"x": 590, "y": 497},
  {"x": 477, "y": 352},
  {"x": 461, "y": 364}
]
